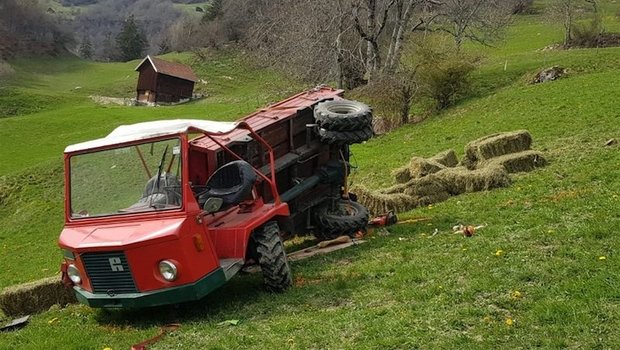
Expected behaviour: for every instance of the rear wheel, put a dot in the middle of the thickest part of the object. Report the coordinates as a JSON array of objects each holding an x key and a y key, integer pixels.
[
  {"x": 346, "y": 137},
  {"x": 342, "y": 115},
  {"x": 272, "y": 258},
  {"x": 344, "y": 217}
]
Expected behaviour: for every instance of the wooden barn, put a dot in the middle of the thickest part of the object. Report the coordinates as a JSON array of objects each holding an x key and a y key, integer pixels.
[{"x": 163, "y": 81}]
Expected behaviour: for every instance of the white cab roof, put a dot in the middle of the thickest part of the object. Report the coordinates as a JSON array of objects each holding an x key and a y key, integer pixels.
[{"x": 140, "y": 131}]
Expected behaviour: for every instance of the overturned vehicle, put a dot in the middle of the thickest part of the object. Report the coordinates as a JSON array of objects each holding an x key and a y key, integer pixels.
[{"x": 167, "y": 211}]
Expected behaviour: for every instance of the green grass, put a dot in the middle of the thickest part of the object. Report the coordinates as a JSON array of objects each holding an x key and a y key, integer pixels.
[
  {"x": 407, "y": 290},
  {"x": 232, "y": 87},
  {"x": 31, "y": 197},
  {"x": 191, "y": 8}
]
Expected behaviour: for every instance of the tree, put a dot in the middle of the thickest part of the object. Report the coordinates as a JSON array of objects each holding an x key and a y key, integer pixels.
[
  {"x": 213, "y": 11},
  {"x": 86, "y": 48},
  {"x": 564, "y": 12},
  {"x": 405, "y": 10},
  {"x": 374, "y": 13},
  {"x": 481, "y": 21},
  {"x": 131, "y": 40}
]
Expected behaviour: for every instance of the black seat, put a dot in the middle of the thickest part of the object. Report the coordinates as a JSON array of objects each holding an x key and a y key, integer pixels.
[
  {"x": 232, "y": 182},
  {"x": 169, "y": 191}
]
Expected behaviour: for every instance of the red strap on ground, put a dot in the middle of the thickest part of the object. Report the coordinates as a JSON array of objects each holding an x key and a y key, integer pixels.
[{"x": 162, "y": 332}]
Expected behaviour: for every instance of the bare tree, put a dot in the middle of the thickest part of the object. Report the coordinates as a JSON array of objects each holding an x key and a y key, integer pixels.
[
  {"x": 481, "y": 21},
  {"x": 405, "y": 11},
  {"x": 322, "y": 47},
  {"x": 375, "y": 16},
  {"x": 564, "y": 12}
]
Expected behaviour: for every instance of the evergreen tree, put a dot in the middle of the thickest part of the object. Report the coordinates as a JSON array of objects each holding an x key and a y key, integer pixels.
[
  {"x": 213, "y": 11},
  {"x": 131, "y": 40},
  {"x": 86, "y": 49}
]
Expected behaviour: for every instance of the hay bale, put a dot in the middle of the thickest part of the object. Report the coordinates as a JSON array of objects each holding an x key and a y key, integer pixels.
[
  {"x": 518, "y": 162},
  {"x": 420, "y": 167},
  {"x": 434, "y": 198},
  {"x": 398, "y": 188},
  {"x": 379, "y": 203},
  {"x": 461, "y": 180},
  {"x": 426, "y": 186},
  {"x": 34, "y": 297},
  {"x": 447, "y": 158},
  {"x": 496, "y": 145},
  {"x": 401, "y": 175}
]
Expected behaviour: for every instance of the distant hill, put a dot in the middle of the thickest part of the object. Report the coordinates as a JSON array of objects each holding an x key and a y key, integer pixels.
[{"x": 27, "y": 30}]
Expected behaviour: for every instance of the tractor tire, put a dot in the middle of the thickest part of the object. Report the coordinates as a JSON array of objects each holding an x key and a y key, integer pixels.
[
  {"x": 343, "y": 115},
  {"x": 347, "y": 219},
  {"x": 272, "y": 258},
  {"x": 346, "y": 137}
]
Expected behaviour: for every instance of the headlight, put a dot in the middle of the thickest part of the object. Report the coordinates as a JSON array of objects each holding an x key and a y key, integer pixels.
[
  {"x": 74, "y": 274},
  {"x": 167, "y": 270}
]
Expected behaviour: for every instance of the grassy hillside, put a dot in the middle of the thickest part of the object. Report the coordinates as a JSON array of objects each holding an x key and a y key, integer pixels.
[
  {"x": 543, "y": 273},
  {"x": 55, "y": 114}
]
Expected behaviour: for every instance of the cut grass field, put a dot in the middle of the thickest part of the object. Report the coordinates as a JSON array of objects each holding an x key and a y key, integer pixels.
[{"x": 543, "y": 273}]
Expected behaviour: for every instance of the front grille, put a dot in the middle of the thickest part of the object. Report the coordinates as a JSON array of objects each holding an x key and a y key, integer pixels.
[{"x": 109, "y": 273}]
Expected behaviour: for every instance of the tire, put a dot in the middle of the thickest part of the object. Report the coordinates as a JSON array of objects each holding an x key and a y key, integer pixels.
[
  {"x": 347, "y": 219},
  {"x": 346, "y": 137},
  {"x": 343, "y": 115},
  {"x": 272, "y": 258}
]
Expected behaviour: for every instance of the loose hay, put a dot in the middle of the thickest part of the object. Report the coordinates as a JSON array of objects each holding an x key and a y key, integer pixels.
[
  {"x": 487, "y": 164},
  {"x": 398, "y": 188},
  {"x": 518, "y": 162},
  {"x": 35, "y": 297},
  {"x": 461, "y": 180},
  {"x": 426, "y": 186},
  {"x": 447, "y": 158},
  {"x": 420, "y": 167},
  {"x": 496, "y": 145},
  {"x": 401, "y": 175},
  {"x": 379, "y": 203}
]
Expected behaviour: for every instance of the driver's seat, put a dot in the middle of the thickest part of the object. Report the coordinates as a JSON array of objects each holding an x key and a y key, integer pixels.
[{"x": 232, "y": 182}]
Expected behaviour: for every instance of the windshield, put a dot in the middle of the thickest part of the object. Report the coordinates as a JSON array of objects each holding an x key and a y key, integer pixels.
[{"x": 137, "y": 178}]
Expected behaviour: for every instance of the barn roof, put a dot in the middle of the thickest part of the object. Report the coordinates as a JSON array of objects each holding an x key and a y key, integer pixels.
[{"x": 170, "y": 68}]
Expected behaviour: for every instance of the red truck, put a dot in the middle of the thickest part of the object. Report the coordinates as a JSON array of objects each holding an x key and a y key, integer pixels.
[{"x": 167, "y": 211}]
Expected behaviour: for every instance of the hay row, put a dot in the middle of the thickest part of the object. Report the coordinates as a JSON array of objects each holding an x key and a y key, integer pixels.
[
  {"x": 419, "y": 167},
  {"x": 446, "y": 158},
  {"x": 461, "y": 180},
  {"x": 401, "y": 175},
  {"x": 496, "y": 145},
  {"x": 35, "y": 297},
  {"x": 378, "y": 203},
  {"x": 432, "y": 189},
  {"x": 518, "y": 162}
]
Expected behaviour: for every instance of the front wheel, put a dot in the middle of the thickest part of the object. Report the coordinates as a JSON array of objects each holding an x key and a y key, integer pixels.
[{"x": 272, "y": 258}]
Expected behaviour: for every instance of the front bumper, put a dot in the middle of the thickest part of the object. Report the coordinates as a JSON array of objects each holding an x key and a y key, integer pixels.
[{"x": 174, "y": 295}]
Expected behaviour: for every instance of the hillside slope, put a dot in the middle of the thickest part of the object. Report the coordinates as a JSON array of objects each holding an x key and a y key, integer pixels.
[{"x": 543, "y": 273}]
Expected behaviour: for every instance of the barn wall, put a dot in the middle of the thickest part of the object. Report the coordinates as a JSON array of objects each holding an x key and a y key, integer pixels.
[
  {"x": 148, "y": 77},
  {"x": 172, "y": 89}
]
